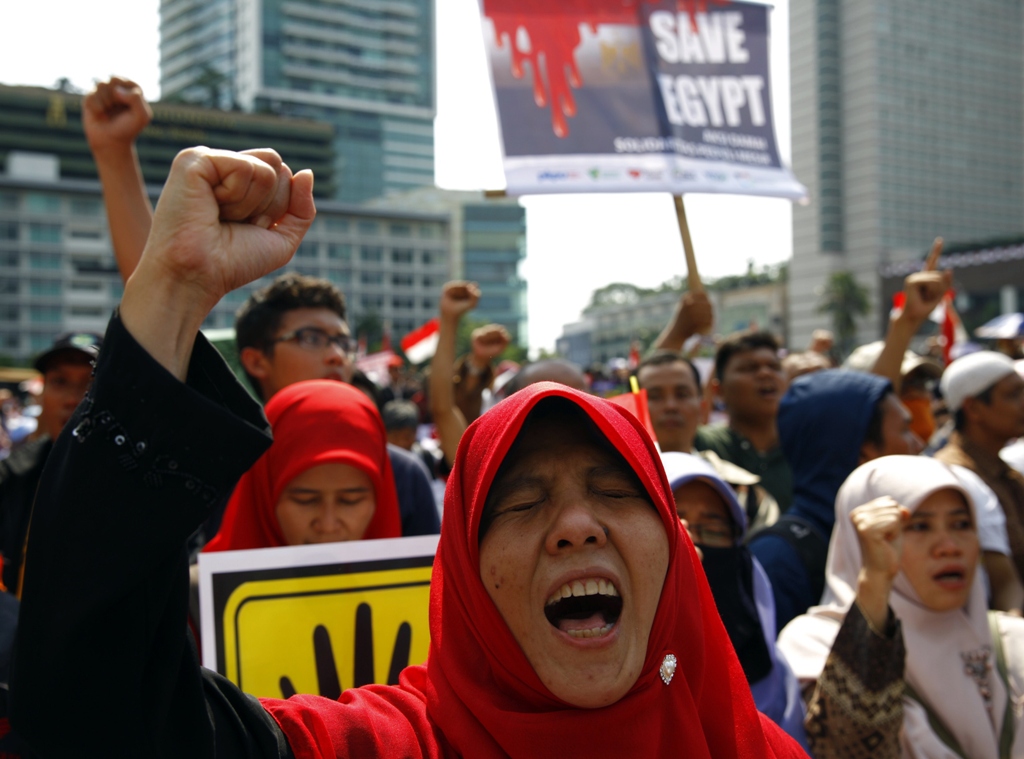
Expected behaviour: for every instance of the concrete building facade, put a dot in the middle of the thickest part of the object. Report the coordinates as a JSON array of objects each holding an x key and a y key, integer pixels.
[
  {"x": 488, "y": 243},
  {"x": 908, "y": 123}
]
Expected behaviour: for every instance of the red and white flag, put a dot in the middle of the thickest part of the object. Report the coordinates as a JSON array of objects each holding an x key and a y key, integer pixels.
[
  {"x": 421, "y": 344},
  {"x": 375, "y": 365},
  {"x": 950, "y": 327}
]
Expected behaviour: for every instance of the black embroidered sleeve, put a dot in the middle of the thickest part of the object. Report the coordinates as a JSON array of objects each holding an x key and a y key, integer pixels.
[
  {"x": 103, "y": 665},
  {"x": 856, "y": 710}
]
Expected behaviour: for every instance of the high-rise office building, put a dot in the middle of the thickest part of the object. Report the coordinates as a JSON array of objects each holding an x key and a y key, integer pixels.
[
  {"x": 908, "y": 123},
  {"x": 57, "y": 268},
  {"x": 366, "y": 67}
]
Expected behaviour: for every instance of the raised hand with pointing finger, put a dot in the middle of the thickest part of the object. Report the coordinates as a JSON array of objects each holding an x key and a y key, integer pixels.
[{"x": 922, "y": 292}]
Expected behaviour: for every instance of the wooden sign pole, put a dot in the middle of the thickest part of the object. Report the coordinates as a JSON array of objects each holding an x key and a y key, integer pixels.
[{"x": 693, "y": 276}]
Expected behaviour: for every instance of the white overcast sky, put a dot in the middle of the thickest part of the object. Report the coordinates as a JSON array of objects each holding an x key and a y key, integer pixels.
[{"x": 575, "y": 243}]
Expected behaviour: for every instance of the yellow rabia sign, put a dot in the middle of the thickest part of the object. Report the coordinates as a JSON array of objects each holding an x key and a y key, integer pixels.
[{"x": 317, "y": 619}]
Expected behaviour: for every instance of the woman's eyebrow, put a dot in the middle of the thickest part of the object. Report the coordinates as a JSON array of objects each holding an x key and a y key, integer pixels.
[
  {"x": 508, "y": 486},
  {"x": 618, "y": 470}
]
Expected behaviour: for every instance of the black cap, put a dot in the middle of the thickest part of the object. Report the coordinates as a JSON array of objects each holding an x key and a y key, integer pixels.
[{"x": 85, "y": 343}]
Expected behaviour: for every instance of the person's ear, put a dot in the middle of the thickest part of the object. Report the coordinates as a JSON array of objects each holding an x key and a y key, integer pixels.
[
  {"x": 714, "y": 388},
  {"x": 255, "y": 362}
]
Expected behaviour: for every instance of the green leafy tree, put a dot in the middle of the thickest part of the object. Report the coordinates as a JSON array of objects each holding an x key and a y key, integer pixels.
[{"x": 844, "y": 299}]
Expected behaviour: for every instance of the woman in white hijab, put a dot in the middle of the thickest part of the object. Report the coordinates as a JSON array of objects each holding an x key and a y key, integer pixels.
[{"x": 903, "y": 656}]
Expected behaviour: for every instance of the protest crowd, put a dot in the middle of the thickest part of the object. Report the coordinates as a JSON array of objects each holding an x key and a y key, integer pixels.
[{"x": 835, "y": 569}]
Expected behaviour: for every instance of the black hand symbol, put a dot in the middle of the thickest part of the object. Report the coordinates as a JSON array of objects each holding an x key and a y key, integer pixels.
[{"x": 328, "y": 682}]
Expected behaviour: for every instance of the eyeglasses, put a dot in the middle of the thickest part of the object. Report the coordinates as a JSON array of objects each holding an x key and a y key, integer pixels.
[
  {"x": 711, "y": 534},
  {"x": 314, "y": 338}
]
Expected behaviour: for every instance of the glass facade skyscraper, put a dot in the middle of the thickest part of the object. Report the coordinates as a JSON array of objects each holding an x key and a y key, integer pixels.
[
  {"x": 366, "y": 67},
  {"x": 908, "y": 123}
]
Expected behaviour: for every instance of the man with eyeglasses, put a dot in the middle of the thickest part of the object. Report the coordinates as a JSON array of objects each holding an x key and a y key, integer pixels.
[{"x": 295, "y": 329}]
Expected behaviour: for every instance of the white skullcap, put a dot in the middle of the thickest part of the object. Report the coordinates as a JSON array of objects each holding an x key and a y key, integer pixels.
[{"x": 972, "y": 375}]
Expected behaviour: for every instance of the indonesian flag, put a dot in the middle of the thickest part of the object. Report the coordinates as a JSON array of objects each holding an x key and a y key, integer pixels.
[
  {"x": 636, "y": 404},
  {"x": 634, "y": 355},
  {"x": 950, "y": 327},
  {"x": 421, "y": 344},
  {"x": 375, "y": 365}
]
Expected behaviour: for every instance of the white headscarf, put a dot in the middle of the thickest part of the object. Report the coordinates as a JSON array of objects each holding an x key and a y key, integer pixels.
[{"x": 934, "y": 640}]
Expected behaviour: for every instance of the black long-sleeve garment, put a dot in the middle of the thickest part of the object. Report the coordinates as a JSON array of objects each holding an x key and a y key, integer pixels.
[{"x": 103, "y": 665}]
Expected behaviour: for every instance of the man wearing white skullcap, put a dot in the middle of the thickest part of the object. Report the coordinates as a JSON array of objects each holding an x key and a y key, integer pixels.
[{"x": 986, "y": 396}]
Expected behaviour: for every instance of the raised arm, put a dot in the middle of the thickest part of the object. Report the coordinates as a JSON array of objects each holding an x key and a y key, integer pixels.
[
  {"x": 161, "y": 438},
  {"x": 866, "y": 662},
  {"x": 693, "y": 315},
  {"x": 113, "y": 116},
  {"x": 457, "y": 299},
  {"x": 922, "y": 292}
]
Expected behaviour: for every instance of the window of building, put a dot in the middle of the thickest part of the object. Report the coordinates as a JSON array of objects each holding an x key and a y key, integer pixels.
[
  {"x": 40, "y": 342},
  {"x": 429, "y": 231},
  {"x": 91, "y": 312},
  {"x": 338, "y": 252},
  {"x": 337, "y": 225},
  {"x": 401, "y": 256},
  {"x": 8, "y": 201},
  {"x": 429, "y": 303},
  {"x": 371, "y": 253},
  {"x": 85, "y": 234},
  {"x": 401, "y": 280},
  {"x": 86, "y": 207},
  {"x": 431, "y": 257},
  {"x": 495, "y": 303},
  {"x": 9, "y": 258},
  {"x": 401, "y": 230},
  {"x": 8, "y": 230},
  {"x": 403, "y": 304},
  {"x": 44, "y": 261},
  {"x": 44, "y": 232},
  {"x": 367, "y": 227},
  {"x": 42, "y": 202},
  {"x": 339, "y": 276},
  {"x": 372, "y": 278},
  {"x": 372, "y": 302},
  {"x": 44, "y": 314},
  {"x": 44, "y": 287},
  {"x": 86, "y": 286},
  {"x": 306, "y": 250}
]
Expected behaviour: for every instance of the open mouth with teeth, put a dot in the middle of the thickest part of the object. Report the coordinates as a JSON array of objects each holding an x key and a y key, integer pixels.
[
  {"x": 587, "y": 608},
  {"x": 950, "y": 577}
]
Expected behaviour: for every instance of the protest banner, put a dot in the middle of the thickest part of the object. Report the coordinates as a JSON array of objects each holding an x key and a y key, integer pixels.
[
  {"x": 634, "y": 96},
  {"x": 317, "y": 618}
]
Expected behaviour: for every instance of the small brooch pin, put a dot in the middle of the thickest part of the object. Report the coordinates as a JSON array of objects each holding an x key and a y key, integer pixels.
[{"x": 668, "y": 668}]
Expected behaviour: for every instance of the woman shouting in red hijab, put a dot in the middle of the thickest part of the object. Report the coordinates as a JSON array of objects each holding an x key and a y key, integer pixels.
[{"x": 568, "y": 613}]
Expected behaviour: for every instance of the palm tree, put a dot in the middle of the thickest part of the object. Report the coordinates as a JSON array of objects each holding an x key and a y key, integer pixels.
[{"x": 844, "y": 298}]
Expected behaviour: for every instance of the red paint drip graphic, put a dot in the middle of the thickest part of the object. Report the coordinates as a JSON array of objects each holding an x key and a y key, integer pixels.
[{"x": 554, "y": 35}]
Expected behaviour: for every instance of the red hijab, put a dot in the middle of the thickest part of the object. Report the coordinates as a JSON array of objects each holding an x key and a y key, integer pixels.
[
  {"x": 316, "y": 422},
  {"x": 478, "y": 695}
]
